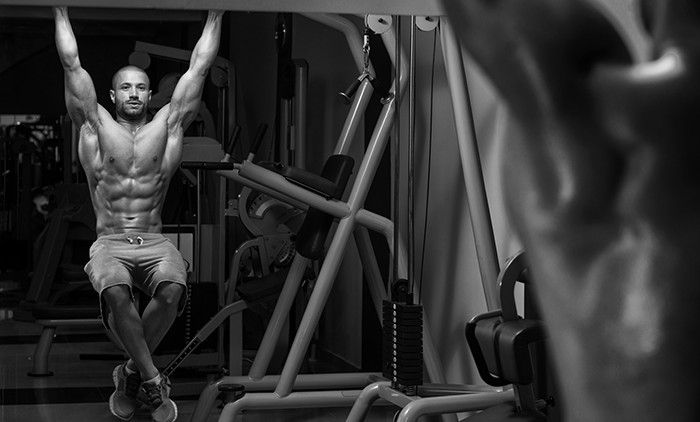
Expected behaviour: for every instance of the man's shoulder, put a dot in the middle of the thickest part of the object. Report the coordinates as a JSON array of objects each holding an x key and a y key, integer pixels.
[{"x": 162, "y": 113}]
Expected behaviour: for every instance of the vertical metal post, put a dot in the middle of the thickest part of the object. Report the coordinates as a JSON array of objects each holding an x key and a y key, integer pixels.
[
  {"x": 471, "y": 165},
  {"x": 396, "y": 153},
  {"x": 411, "y": 152},
  {"x": 198, "y": 240},
  {"x": 220, "y": 272},
  {"x": 301, "y": 86}
]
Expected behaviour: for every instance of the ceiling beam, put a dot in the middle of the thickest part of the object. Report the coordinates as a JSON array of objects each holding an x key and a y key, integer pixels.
[
  {"x": 103, "y": 14},
  {"x": 388, "y": 7}
]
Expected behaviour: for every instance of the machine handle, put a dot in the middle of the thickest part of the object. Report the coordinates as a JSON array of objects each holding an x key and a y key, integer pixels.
[
  {"x": 345, "y": 96},
  {"x": 257, "y": 140},
  {"x": 206, "y": 165},
  {"x": 230, "y": 143}
]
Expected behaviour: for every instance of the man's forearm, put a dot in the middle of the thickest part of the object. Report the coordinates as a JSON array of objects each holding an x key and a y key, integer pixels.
[
  {"x": 207, "y": 47},
  {"x": 66, "y": 44}
]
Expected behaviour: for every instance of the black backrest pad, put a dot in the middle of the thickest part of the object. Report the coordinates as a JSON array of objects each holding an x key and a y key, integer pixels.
[{"x": 314, "y": 230}]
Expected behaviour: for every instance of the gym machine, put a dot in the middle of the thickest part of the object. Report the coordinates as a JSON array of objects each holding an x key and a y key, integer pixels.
[
  {"x": 353, "y": 218},
  {"x": 500, "y": 343},
  {"x": 499, "y": 339},
  {"x": 407, "y": 8}
]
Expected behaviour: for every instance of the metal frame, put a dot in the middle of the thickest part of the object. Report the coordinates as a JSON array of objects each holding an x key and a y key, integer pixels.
[
  {"x": 471, "y": 165},
  {"x": 449, "y": 399},
  {"x": 353, "y": 219},
  {"x": 413, "y": 407},
  {"x": 392, "y": 7},
  {"x": 352, "y": 215},
  {"x": 292, "y": 145},
  {"x": 40, "y": 360}
]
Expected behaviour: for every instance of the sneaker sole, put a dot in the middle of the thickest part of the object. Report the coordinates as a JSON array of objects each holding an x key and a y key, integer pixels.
[
  {"x": 174, "y": 410},
  {"x": 115, "y": 379}
]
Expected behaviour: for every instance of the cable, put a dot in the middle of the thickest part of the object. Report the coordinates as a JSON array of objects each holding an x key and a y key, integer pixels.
[{"x": 430, "y": 154}]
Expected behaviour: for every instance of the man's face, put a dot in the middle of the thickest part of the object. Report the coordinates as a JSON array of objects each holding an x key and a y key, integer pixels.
[{"x": 131, "y": 94}]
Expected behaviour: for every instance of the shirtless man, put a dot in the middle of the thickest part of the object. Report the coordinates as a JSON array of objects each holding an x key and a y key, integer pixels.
[
  {"x": 129, "y": 162},
  {"x": 601, "y": 184}
]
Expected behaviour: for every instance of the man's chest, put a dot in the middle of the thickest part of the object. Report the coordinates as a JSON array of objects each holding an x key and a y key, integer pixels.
[{"x": 133, "y": 156}]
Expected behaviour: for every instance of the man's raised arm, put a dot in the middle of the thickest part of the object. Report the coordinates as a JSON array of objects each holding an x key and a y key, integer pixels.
[
  {"x": 186, "y": 96},
  {"x": 81, "y": 99}
]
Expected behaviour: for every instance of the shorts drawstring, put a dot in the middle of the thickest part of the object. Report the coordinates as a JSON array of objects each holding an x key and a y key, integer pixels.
[{"x": 138, "y": 239}]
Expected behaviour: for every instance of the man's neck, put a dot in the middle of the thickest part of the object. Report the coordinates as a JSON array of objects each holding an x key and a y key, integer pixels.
[{"x": 133, "y": 125}]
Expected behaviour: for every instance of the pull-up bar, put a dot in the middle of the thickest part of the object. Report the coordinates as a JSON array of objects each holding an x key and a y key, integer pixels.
[{"x": 390, "y": 7}]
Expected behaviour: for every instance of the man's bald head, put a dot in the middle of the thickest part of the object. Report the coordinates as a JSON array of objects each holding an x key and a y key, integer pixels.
[
  {"x": 117, "y": 78},
  {"x": 131, "y": 93}
]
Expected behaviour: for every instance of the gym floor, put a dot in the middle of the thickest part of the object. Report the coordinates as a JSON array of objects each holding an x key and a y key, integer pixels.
[{"x": 80, "y": 388}]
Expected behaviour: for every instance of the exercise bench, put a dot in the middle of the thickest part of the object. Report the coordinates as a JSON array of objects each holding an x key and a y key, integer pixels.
[{"x": 52, "y": 317}]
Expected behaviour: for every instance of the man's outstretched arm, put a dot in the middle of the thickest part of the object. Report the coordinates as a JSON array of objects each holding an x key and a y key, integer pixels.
[
  {"x": 187, "y": 94},
  {"x": 81, "y": 99}
]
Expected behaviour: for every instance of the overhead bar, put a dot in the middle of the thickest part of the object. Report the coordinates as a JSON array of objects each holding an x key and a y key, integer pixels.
[{"x": 390, "y": 7}]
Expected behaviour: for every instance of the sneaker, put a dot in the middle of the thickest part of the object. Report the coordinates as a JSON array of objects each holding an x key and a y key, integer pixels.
[
  {"x": 122, "y": 403},
  {"x": 158, "y": 397}
]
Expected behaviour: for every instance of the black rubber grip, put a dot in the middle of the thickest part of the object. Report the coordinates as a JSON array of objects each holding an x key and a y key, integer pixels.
[
  {"x": 346, "y": 95},
  {"x": 258, "y": 138},
  {"x": 206, "y": 165},
  {"x": 230, "y": 144}
]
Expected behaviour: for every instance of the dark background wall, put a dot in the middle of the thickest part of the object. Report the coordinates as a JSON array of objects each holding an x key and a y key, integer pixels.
[{"x": 31, "y": 77}]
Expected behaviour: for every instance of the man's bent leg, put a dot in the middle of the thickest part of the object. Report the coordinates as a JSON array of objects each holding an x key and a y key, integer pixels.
[
  {"x": 125, "y": 321},
  {"x": 157, "y": 318},
  {"x": 160, "y": 313}
]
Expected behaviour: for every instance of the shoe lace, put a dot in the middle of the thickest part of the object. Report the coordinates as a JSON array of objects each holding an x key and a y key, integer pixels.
[
  {"x": 133, "y": 382},
  {"x": 153, "y": 394}
]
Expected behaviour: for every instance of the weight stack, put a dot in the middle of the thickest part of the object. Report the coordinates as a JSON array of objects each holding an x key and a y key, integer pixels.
[{"x": 403, "y": 345}]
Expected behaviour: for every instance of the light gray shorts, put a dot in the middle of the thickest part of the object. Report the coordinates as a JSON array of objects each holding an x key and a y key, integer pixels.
[{"x": 142, "y": 260}]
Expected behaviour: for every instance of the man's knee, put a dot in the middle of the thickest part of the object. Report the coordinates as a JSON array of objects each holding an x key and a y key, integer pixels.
[
  {"x": 116, "y": 296},
  {"x": 169, "y": 293}
]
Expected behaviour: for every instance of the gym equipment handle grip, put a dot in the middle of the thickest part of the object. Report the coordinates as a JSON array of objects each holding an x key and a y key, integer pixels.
[
  {"x": 231, "y": 142},
  {"x": 206, "y": 165},
  {"x": 258, "y": 138}
]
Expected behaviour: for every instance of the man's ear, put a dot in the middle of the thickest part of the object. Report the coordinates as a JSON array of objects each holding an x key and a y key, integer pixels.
[{"x": 111, "y": 95}]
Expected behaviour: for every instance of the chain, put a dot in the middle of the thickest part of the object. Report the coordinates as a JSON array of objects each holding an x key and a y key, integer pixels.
[{"x": 365, "y": 49}]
